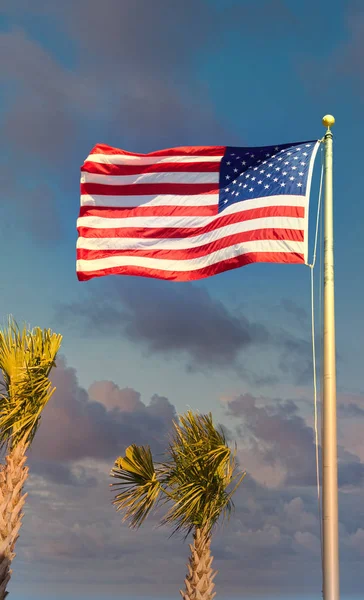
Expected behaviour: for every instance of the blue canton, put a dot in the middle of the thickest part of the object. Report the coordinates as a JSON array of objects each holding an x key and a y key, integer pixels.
[{"x": 247, "y": 173}]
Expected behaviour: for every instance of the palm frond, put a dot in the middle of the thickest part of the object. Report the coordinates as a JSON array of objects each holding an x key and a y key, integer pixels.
[
  {"x": 137, "y": 479},
  {"x": 26, "y": 359},
  {"x": 202, "y": 472}
]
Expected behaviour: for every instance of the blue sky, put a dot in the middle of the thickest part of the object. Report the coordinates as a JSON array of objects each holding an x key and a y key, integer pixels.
[{"x": 143, "y": 75}]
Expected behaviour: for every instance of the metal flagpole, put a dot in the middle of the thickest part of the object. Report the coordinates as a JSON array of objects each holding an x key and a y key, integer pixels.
[{"x": 330, "y": 516}]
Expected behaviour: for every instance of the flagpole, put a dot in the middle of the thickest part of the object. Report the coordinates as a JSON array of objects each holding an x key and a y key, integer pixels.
[{"x": 330, "y": 516}]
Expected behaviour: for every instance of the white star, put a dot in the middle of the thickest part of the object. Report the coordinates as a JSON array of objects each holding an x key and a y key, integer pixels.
[
  {"x": 251, "y": 189},
  {"x": 235, "y": 170},
  {"x": 301, "y": 173},
  {"x": 227, "y": 189},
  {"x": 280, "y": 158},
  {"x": 269, "y": 175},
  {"x": 228, "y": 163},
  {"x": 291, "y": 178},
  {"x": 275, "y": 179},
  {"x": 225, "y": 201},
  {"x": 289, "y": 153},
  {"x": 233, "y": 154},
  {"x": 264, "y": 162},
  {"x": 237, "y": 158},
  {"x": 262, "y": 171},
  {"x": 302, "y": 163},
  {"x": 284, "y": 172},
  {"x": 243, "y": 163},
  {"x": 247, "y": 175},
  {"x": 253, "y": 178},
  {"x": 273, "y": 156},
  {"x": 308, "y": 145},
  {"x": 282, "y": 184},
  {"x": 234, "y": 181},
  {"x": 294, "y": 168},
  {"x": 287, "y": 162},
  {"x": 245, "y": 185},
  {"x": 260, "y": 181},
  {"x": 266, "y": 187},
  {"x": 240, "y": 184},
  {"x": 255, "y": 169},
  {"x": 259, "y": 161},
  {"x": 295, "y": 158},
  {"x": 305, "y": 153},
  {"x": 299, "y": 184},
  {"x": 270, "y": 165},
  {"x": 237, "y": 193},
  {"x": 278, "y": 169},
  {"x": 268, "y": 155},
  {"x": 227, "y": 177},
  {"x": 252, "y": 155},
  {"x": 276, "y": 148},
  {"x": 246, "y": 153}
]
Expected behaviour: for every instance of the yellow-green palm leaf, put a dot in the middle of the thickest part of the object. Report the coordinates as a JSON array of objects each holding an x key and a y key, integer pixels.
[
  {"x": 137, "y": 484},
  {"x": 26, "y": 359},
  {"x": 197, "y": 480}
]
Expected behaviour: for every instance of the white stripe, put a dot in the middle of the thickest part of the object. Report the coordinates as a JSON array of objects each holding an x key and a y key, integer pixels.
[
  {"x": 126, "y": 159},
  {"x": 145, "y": 178},
  {"x": 159, "y": 200},
  {"x": 194, "y": 263},
  {"x": 187, "y": 200},
  {"x": 189, "y": 242},
  {"x": 183, "y": 221}
]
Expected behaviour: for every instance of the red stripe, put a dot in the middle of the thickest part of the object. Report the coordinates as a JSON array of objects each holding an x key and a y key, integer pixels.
[
  {"x": 226, "y": 265},
  {"x": 189, "y": 253},
  {"x": 149, "y": 211},
  {"x": 192, "y": 167},
  {"x": 174, "y": 232},
  {"x": 179, "y": 151},
  {"x": 149, "y": 189}
]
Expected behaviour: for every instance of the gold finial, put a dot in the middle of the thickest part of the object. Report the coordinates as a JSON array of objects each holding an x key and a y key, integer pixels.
[{"x": 328, "y": 121}]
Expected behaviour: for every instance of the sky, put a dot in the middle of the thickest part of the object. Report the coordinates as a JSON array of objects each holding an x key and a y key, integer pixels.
[{"x": 144, "y": 75}]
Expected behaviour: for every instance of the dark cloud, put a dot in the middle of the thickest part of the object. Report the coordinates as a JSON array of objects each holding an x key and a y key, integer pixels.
[
  {"x": 169, "y": 319},
  {"x": 75, "y": 425},
  {"x": 128, "y": 75},
  {"x": 183, "y": 320},
  {"x": 298, "y": 312},
  {"x": 278, "y": 436}
]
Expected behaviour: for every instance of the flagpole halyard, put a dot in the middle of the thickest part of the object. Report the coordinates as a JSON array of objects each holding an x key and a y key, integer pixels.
[{"x": 331, "y": 590}]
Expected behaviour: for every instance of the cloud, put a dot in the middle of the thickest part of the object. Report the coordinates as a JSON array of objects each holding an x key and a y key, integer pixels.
[
  {"x": 279, "y": 438},
  {"x": 75, "y": 425},
  {"x": 169, "y": 319},
  {"x": 185, "y": 321}
]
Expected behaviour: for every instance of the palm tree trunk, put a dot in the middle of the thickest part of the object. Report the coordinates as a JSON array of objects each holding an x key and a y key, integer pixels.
[
  {"x": 12, "y": 478},
  {"x": 199, "y": 580}
]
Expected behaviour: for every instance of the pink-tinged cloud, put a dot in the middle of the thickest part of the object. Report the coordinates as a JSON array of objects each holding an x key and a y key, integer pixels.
[{"x": 75, "y": 425}]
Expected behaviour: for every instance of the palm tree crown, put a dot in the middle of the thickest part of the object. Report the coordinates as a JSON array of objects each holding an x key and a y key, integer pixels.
[{"x": 197, "y": 480}]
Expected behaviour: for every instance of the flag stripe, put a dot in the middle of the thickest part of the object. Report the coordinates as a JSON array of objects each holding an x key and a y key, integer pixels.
[
  {"x": 182, "y": 226},
  {"x": 208, "y": 271},
  {"x": 190, "y": 200},
  {"x": 152, "y": 200},
  {"x": 189, "y": 151},
  {"x": 195, "y": 166},
  {"x": 197, "y": 251},
  {"x": 282, "y": 225},
  {"x": 275, "y": 246},
  {"x": 147, "y": 211},
  {"x": 148, "y": 189},
  {"x": 151, "y": 178}
]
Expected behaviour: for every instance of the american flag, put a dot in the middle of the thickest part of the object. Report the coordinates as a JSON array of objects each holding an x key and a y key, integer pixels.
[{"x": 191, "y": 212}]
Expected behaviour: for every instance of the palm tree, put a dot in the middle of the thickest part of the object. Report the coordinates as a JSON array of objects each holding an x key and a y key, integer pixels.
[
  {"x": 26, "y": 359},
  {"x": 195, "y": 480}
]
